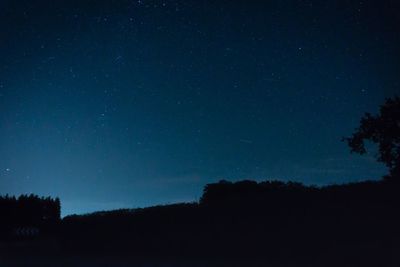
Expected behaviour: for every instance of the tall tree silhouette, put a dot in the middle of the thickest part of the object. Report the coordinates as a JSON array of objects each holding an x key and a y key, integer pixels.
[{"x": 384, "y": 130}]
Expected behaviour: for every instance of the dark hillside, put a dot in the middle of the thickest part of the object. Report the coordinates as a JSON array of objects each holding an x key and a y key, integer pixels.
[
  {"x": 273, "y": 221},
  {"x": 267, "y": 222}
]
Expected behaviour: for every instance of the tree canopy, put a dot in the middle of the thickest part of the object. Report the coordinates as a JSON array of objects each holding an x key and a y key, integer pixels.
[{"x": 382, "y": 129}]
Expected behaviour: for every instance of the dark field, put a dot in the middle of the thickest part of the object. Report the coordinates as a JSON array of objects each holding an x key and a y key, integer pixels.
[{"x": 235, "y": 224}]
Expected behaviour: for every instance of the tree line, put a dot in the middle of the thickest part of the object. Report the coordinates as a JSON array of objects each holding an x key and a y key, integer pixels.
[{"x": 28, "y": 211}]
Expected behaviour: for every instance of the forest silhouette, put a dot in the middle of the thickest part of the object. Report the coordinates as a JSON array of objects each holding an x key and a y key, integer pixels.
[{"x": 271, "y": 223}]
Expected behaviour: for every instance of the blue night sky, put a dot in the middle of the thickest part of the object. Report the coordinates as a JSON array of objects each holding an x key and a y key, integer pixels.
[{"x": 115, "y": 104}]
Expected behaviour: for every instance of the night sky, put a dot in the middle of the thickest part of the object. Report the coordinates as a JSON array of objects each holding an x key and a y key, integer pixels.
[{"x": 115, "y": 104}]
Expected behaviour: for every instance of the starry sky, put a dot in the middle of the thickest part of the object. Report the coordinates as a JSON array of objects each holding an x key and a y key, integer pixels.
[{"x": 116, "y": 104}]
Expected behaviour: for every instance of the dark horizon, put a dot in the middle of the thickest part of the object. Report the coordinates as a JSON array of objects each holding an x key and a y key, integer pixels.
[{"x": 132, "y": 104}]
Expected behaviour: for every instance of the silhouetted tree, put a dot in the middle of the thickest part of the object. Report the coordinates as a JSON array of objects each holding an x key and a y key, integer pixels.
[{"x": 383, "y": 130}]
